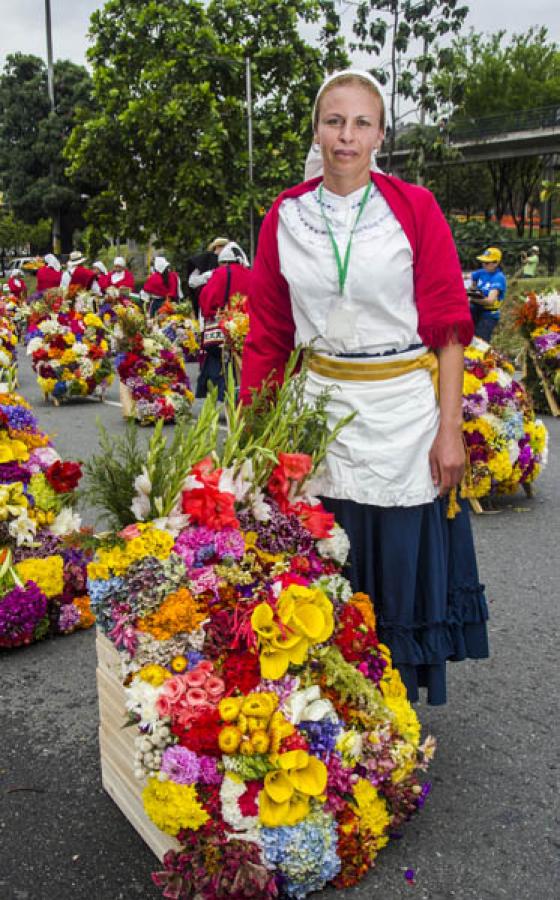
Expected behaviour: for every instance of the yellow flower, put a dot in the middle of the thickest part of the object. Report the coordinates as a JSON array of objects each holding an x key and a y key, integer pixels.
[
  {"x": 284, "y": 799},
  {"x": 12, "y": 451},
  {"x": 172, "y": 806},
  {"x": 406, "y": 720},
  {"x": 93, "y": 321},
  {"x": 370, "y": 808},
  {"x": 179, "y": 663},
  {"x": 471, "y": 384},
  {"x": 154, "y": 674},
  {"x": 229, "y": 708},
  {"x": 260, "y": 705},
  {"x": 47, "y": 573},
  {"x": 229, "y": 739}
]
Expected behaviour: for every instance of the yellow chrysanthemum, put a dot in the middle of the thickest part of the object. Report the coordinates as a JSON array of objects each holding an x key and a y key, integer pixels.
[
  {"x": 173, "y": 807},
  {"x": 370, "y": 808},
  {"x": 47, "y": 573}
]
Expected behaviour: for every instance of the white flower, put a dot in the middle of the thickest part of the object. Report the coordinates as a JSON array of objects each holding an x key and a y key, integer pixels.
[
  {"x": 173, "y": 523},
  {"x": 80, "y": 349},
  {"x": 141, "y": 700},
  {"x": 336, "y": 547},
  {"x": 191, "y": 482},
  {"x": 34, "y": 344},
  {"x": 22, "y": 528},
  {"x": 66, "y": 521},
  {"x": 87, "y": 368},
  {"x": 259, "y": 506},
  {"x": 245, "y": 827},
  {"x": 142, "y": 483},
  {"x": 141, "y": 506},
  {"x": 239, "y": 485},
  {"x": 308, "y": 706}
]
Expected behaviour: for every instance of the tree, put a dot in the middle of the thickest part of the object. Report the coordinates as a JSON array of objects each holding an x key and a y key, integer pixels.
[
  {"x": 169, "y": 136},
  {"x": 491, "y": 77},
  {"x": 32, "y": 140},
  {"x": 398, "y": 24}
]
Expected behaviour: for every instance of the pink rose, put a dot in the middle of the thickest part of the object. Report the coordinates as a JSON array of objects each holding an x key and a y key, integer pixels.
[
  {"x": 196, "y": 697},
  {"x": 195, "y": 679},
  {"x": 163, "y": 706},
  {"x": 131, "y": 531},
  {"x": 205, "y": 666},
  {"x": 174, "y": 689},
  {"x": 214, "y": 687}
]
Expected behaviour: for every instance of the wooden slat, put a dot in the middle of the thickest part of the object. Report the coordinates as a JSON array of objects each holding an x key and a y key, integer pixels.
[{"x": 117, "y": 748}]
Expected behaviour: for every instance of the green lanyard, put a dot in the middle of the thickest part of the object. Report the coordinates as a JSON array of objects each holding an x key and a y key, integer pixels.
[{"x": 342, "y": 267}]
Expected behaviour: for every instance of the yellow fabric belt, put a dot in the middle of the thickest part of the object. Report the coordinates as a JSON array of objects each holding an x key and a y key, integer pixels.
[{"x": 344, "y": 369}]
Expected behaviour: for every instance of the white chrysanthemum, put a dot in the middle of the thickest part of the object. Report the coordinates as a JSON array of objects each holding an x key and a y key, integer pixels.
[
  {"x": 336, "y": 547},
  {"x": 140, "y": 699}
]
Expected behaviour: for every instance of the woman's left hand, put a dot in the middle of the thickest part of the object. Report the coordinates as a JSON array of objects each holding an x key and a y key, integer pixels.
[{"x": 447, "y": 458}]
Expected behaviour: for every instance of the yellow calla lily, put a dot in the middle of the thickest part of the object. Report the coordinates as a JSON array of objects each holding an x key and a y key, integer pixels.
[
  {"x": 309, "y": 620},
  {"x": 274, "y": 663},
  {"x": 278, "y": 786},
  {"x": 262, "y": 621},
  {"x": 271, "y": 814},
  {"x": 298, "y": 808},
  {"x": 312, "y": 779}
]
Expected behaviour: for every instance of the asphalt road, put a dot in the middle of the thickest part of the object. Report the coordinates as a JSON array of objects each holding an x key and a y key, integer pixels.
[{"x": 488, "y": 831}]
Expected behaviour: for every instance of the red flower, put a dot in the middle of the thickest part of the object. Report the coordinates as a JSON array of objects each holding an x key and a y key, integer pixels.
[
  {"x": 316, "y": 519},
  {"x": 295, "y": 465},
  {"x": 209, "y": 505},
  {"x": 248, "y": 801},
  {"x": 241, "y": 671},
  {"x": 63, "y": 476},
  {"x": 202, "y": 736}
]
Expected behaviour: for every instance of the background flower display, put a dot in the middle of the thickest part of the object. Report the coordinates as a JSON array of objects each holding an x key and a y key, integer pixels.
[
  {"x": 69, "y": 352},
  {"x": 274, "y": 738},
  {"x": 43, "y": 576},
  {"x": 176, "y": 323},
  {"x": 234, "y": 322},
  {"x": 153, "y": 370},
  {"x": 539, "y": 320},
  {"x": 8, "y": 341},
  {"x": 507, "y": 445}
]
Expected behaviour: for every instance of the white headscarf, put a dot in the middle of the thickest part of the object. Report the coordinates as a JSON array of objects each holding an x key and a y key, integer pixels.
[
  {"x": 232, "y": 253},
  {"x": 101, "y": 266},
  {"x": 53, "y": 262},
  {"x": 314, "y": 161},
  {"x": 119, "y": 261},
  {"x": 160, "y": 264}
]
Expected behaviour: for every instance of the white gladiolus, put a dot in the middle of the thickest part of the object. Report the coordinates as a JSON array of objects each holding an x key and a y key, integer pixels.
[{"x": 66, "y": 522}]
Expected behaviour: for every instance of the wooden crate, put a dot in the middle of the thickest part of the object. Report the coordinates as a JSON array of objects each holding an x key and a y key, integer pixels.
[{"x": 116, "y": 745}]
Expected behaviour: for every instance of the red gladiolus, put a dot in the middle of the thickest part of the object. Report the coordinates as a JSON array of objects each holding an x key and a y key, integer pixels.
[
  {"x": 295, "y": 465},
  {"x": 316, "y": 519},
  {"x": 63, "y": 476}
]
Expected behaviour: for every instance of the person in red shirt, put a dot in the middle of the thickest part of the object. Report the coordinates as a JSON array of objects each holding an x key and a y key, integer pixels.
[
  {"x": 17, "y": 285},
  {"x": 119, "y": 276},
  {"x": 232, "y": 276},
  {"x": 163, "y": 284},
  {"x": 76, "y": 274},
  {"x": 49, "y": 275}
]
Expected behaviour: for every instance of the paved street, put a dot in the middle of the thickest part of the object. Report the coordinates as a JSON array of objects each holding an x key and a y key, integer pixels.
[{"x": 487, "y": 832}]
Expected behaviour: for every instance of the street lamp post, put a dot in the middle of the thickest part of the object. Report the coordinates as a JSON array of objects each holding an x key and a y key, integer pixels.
[
  {"x": 50, "y": 85},
  {"x": 248, "y": 91}
]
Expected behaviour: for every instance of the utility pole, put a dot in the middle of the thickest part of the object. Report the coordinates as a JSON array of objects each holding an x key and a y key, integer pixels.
[
  {"x": 50, "y": 84},
  {"x": 421, "y": 154},
  {"x": 248, "y": 88}
]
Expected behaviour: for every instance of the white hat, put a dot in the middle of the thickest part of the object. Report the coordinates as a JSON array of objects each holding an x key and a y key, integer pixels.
[
  {"x": 160, "y": 264},
  {"x": 119, "y": 261},
  {"x": 101, "y": 266},
  {"x": 535, "y": 249},
  {"x": 217, "y": 243},
  {"x": 76, "y": 258},
  {"x": 232, "y": 253},
  {"x": 52, "y": 261},
  {"x": 15, "y": 272},
  {"x": 357, "y": 73}
]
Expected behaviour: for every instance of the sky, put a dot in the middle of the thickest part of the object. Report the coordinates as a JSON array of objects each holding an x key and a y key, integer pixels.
[{"x": 22, "y": 23}]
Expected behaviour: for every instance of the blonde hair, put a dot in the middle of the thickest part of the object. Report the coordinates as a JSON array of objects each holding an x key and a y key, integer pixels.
[{"x": 345, "y": 79}]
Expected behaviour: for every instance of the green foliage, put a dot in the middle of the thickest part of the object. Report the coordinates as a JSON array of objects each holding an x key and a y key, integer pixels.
[
  {"x": 398, "y": 24},
  {"x": 169, "y": 133},
  {"x": 32, "y": 139},
  {"x": 108, "y": 482}
]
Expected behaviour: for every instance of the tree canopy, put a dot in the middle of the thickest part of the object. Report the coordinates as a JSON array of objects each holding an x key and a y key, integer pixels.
[
  {"x": 32, "y": 138},
  {"x": 169, "y": 134}
]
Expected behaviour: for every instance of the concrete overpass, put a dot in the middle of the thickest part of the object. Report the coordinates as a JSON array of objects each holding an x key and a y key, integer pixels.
[{"x": 508, "y": 136}]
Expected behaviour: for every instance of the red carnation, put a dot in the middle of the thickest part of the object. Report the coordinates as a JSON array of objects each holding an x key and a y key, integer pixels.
[
  {"x": 241, "y": 671},
  {"x": 202, "y": 736},
  {"x": 316, "y": 519},
  {"x": 64, "y": 476}
]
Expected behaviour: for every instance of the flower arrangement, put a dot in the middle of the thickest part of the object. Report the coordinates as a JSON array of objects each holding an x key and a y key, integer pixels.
[
  {"x": 153, "y": 370},
  {"x": 507, "y": 445},
  {"x": 234, "y": 322},
  {"x": 8, "y": 342},
  {"x": 539, "y": 319},
  {"x": 176, "y": 323},
  {"x": 274, "y": 737},
  {"x": 43, "y": 575},
  {"x": 69, "y": 352}
]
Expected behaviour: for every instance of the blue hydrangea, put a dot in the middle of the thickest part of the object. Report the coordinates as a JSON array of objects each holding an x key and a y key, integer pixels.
[
  {"x": 102, "y": 592},
  {"x": 304, "y": 855}
]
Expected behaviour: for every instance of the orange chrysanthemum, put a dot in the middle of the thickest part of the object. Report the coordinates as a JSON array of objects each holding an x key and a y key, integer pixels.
[{"x": 179, "y": 612}]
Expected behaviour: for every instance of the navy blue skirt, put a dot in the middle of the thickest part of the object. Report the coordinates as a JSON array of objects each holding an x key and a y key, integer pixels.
[{"x": 419, "y": 568}]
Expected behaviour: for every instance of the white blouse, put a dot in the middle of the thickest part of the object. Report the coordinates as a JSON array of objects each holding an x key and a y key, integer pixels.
[{"x": 381, "y": 457}]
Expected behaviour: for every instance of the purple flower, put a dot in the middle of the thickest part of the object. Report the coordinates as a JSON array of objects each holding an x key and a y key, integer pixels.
[
  {"x": 230, "y": 543},
  {"x": 69, "y": 618},
  {"x": 181, "y": 764},
  {"x": 22, "y": 611}
]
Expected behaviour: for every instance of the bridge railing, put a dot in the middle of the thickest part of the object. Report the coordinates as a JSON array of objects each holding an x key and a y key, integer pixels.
[{"x": 523, "y": 120}]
